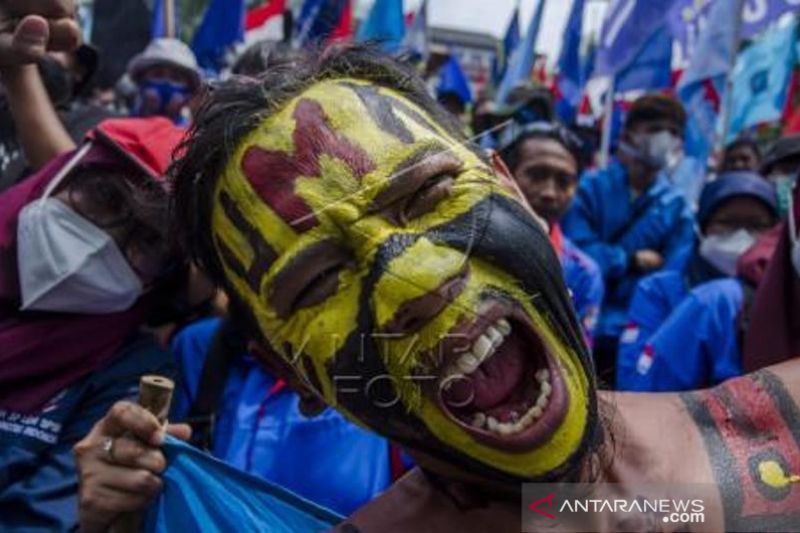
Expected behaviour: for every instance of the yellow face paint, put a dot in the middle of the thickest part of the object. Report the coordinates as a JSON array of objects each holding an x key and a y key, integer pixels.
[{"x": 348, "y": 210}]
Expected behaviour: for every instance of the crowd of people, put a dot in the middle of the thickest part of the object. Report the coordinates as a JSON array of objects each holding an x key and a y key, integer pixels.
[{"x": 245, "y": 237}]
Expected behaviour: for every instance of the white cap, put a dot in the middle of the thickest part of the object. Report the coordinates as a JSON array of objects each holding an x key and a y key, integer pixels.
[{"x": 166, "y": 51}]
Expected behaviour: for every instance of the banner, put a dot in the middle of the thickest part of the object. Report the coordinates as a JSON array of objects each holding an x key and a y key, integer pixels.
[
  {"x": 761, "y": 80},
  {"x": 688, "y": 18}
]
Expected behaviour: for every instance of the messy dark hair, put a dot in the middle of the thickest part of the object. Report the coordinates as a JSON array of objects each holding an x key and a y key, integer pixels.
[
  {"x": 652, "y": 107},
  {"x": 236, "y": 107}
]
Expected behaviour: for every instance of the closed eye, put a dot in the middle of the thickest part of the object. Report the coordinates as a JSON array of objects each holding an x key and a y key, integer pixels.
[
  {"x": 427, "y": 197},
  {"x": 310, "y": 278},
  {"x": 319, "y": 288}
]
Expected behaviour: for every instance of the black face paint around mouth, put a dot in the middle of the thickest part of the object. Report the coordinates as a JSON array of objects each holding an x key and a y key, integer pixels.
[{"x": 501, "y": 232}]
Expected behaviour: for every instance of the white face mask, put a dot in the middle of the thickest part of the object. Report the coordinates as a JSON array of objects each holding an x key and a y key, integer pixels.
[
  {"x": 660, "y": 150},
  {"x": 723, "y": 251},
  {"x": 67, "y": 264}
]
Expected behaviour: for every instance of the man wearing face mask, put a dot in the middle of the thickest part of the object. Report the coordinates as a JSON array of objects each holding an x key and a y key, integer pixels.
[
  {"x": 66, "y": 77},
  {"x": 167, "y": 78},
  {"x": 629, "y": 218},
  {"x": 675, "y": 322}
]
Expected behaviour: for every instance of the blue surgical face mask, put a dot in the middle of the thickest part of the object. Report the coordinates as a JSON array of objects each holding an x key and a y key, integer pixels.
[{"x": 164, "y": 98}]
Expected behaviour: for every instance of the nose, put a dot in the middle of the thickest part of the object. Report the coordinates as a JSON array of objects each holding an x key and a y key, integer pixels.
[
  {"x": 412, "y": 315},
  {"x": 548, "y": 190},
  {"x": 416, "y": 280}
]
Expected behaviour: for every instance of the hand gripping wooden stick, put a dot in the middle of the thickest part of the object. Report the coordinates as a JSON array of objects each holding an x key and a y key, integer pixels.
[{"x": 155, "y": 395}]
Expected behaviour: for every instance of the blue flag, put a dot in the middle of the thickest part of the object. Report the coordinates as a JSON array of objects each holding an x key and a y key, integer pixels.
[
  {"x": 506, "y": 47},
  {"x": 221, "y": 28},
  {"x": 385, "y": 25},
  {"x": 202, "y": 493},
  {"x": 416, "y": 40},
  {"x": 453, "y": 80},
  {"x": 522, "y": 60},
  {"x": 688, "y": 17},
  {"x": 627, "y": 27},
  {"x": 652, "y": 67},
  {"x": 570, "y": 69},
  {"x": 710, "y": 65},
  {"x": 761, "y": 80},
  {"x": 318, "y": 19}
]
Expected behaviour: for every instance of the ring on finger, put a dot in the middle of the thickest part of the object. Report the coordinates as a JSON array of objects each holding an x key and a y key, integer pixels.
[{"x": 108, "y": 448}]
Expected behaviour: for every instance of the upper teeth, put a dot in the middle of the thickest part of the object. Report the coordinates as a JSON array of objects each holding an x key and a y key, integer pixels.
[
  {"x": 519, "y": 423},
  {"x": 482, "y": 349}
]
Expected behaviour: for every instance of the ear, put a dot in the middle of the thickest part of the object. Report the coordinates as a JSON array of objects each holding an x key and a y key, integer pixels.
[
  {"x": 509, "y": 183},
  {"x": 311, "y": 404}
]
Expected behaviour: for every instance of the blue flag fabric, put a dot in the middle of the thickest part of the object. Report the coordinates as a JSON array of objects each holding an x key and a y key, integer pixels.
[
  {"x": 202, "y": 493},
  {"x": 652, "y": 67},
  {"x": 710, "y": 64},
  {"x": 221, "y": 28},
  {"x": 415, "y": 41},
  {"x": 453, "y": 80},
  {"x": 317, "y": 21},
  {"x": 761, "y": 80},
  {"x": 522, "y": 60},
  {"x": 688, "y": 17},
  {"x": 626, "y": 29},
  {"x": 506, "y": 47},
  {"x": 570, "y": 70},
  {"x": 385, "y": 25}
]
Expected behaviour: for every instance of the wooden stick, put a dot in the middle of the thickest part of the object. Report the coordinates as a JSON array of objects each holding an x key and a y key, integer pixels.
[{"x": 155, "y": 395}]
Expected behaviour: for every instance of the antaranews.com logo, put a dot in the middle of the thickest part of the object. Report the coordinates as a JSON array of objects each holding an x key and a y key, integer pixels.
[{"x": 616, "y": 508}]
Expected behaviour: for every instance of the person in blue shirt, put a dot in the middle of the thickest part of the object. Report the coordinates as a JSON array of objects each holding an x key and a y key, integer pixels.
[
  {"x": 629, "y": 219},
  {"x": 266, "y": 429},
  {"x": 545, "y": 160},
  {"x": 735, "y": 209}
]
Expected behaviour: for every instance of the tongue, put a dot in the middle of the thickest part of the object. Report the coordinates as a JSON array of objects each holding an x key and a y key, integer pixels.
[{"x": 494, "y": 381}]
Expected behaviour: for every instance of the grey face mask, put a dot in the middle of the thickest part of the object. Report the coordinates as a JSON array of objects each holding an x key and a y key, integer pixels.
[
  {"x": 66, "y": 263},
  {"x": 659, "y": 150}
]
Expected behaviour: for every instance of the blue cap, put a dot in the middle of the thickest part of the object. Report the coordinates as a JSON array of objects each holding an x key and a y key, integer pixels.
[{"x": 732, "y": 184}]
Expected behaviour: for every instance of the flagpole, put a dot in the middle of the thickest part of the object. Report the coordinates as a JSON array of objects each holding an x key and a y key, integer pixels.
[
  {"x": 727, "y": 100},
  {"x": 169, "y": 18},
  {"x": 605, "y": 142}
]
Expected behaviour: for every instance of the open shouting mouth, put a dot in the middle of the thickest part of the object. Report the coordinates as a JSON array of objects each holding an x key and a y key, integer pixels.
[{"x": 498, "y": 380}]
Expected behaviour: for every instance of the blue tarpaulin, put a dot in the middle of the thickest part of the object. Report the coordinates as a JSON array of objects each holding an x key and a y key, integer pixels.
[{"x": 204, "y": 494}]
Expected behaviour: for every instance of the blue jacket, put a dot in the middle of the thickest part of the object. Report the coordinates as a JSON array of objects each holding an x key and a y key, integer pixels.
[
  {"x": 260, "y": 430},
  {"x": 610, "y": 227},
  {"x": 696, "y": 347},
  {"x": 654, "y": 299},
  {"x": 38, "y": 478},
  {"x": 585, "y": 281}
]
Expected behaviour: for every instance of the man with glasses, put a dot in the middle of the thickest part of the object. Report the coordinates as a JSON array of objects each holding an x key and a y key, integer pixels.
[
  {"x": 545, "y": 160},
  {"x": 629, "y": 218}
]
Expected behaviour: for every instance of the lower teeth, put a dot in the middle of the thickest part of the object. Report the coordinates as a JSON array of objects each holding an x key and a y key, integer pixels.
[{"x": 517, "y": 423}]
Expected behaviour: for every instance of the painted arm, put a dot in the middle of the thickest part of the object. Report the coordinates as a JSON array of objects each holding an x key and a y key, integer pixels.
[
  {"x": 40, "y": 131},
  {"x": 751, "y": 430}
]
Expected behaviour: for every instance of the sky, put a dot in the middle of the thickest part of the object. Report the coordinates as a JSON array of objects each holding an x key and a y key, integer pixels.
[{"x": 492, "y": 16}]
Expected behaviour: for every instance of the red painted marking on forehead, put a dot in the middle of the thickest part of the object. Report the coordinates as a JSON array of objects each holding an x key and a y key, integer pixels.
[{"x": 273, "y": 174}]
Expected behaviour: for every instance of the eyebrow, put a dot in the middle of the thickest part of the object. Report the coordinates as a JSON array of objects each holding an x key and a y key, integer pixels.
[{"x": 430, "y": 159}]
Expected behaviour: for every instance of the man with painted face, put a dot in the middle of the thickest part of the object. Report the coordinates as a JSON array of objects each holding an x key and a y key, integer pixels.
[
  {"x": 167, "y": 77},
  {"x": 629, "y": 218},
  {"x": 389, "y": 268},
  {"x": 544, "y": 159},
  {"x": 683, "y": 332}
]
